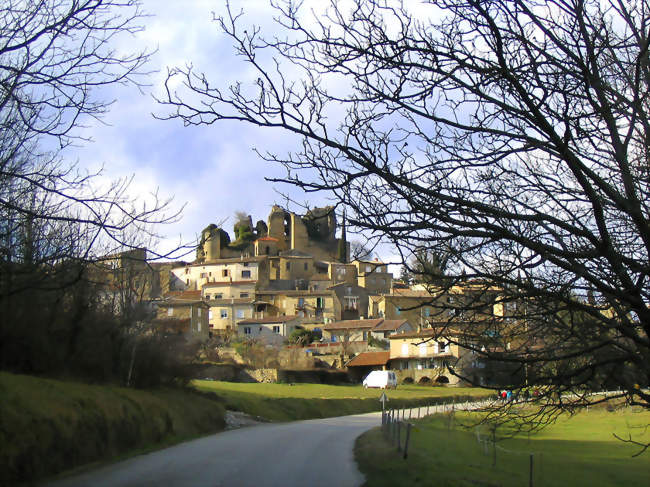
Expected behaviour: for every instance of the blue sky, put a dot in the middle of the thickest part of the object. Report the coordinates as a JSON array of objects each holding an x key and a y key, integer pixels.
[{"x": 211, "y": 170}]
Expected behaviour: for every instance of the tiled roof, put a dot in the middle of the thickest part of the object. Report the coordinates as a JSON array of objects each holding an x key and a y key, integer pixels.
[
  {"x": 389, "y": 325},
  {"x": 369, "y": 358},
  {"x": 426, "y": 333},
  {"x": 229, "y": 283},
  {"x": 184, "y": 294},
  {"x": 410, "y": 293},
  {"x": 267, "y": 239},
  {"x": 353, "y": 324},
  {"x": 269, "y": 320}
]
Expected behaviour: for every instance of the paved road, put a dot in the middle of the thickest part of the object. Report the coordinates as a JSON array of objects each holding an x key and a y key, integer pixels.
[{"x": 315, "y": 452}]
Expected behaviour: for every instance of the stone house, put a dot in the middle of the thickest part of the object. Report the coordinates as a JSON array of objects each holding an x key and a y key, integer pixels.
[
  {"x": 373, "y": 276},
  {"x": 182, "y": 313},
  {"x": 351, "y": 301},
  {"x": 425, "y": 355},
  {"x": 391, "y": 327},
  {"x": 350, "y": 330},
  {"x": 273, "y": 330}
]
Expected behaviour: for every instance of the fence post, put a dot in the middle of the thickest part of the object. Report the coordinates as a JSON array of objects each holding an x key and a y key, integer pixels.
[
  {"x": 530, "y": 476},
  {"x": 398, "y": 436},
  {"x": 494, "y": 445},
  {"x": 406, "y": 443}
]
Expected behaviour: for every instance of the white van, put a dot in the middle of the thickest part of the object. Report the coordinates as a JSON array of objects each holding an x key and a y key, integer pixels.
[{"x": 383, "y": 379}]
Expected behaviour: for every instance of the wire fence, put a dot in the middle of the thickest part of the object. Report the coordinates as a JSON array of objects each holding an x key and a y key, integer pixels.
[{"x": 486, "y": 453}]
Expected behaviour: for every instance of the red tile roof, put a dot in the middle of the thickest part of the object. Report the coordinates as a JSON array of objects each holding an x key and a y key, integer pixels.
[
  {"x": 389, "y": 325},
  {"x": 369, "y": 358},
  {"x": 353, "y": 324},
  {"x": 426, "y": 333}
]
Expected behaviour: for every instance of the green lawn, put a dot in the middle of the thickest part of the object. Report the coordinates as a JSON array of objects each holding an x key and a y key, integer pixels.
[
  {"x": 577, "y": 451},
  {"x": 285, "y": 402}
]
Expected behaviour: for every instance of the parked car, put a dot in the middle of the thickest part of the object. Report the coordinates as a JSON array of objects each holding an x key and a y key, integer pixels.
[{"x": 383, "y": 379}]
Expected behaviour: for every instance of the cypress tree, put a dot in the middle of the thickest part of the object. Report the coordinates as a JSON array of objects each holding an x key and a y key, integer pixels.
[{"x": 343, "y": 244}]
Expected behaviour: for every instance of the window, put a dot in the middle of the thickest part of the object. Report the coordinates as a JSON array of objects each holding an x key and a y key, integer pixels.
[
  {"x": 240, "y": 313},
  {"x": 187, "y": 282},
  {"x": 320, "y": 303},
  {"x": 423, "y": 349},
  {"x": 210, "y": 315},
  {"x": 218, "y": 296},
  {"x": 170, "y": 311},
  {"x": 306, "y": 266},
  {"x": 224, "y": 273},
  {"x": 397, "y": 310},
  {"x": 203, "y": 275},
  {"x": 187, "y": 270},
  {"x": 276, "y": 328},
  {"x": 198, "y": 325},
  {"x": 301, "y": 302},
  {"x": 199, "y": 314},
  {"x": 243, "y": 295},
  {"x": 351, "y": 303},
  {"x": 368, "y": 268},
  {"x": 247, "y": 330},
  {"x": 383, "y": 281},
  {"x": 224, "y": 313},
  {"x": 348, "y": 290},
  {"x": 427, "y": 312},
  {"x": 405, "y": 349},
  {"x": 246, "y": 274},
  {"x": 442, "y": 347},
  {"x": 245, "y": 264},
  {"x": 207, "y": 296},
  {"x": 288, "y": 266}
]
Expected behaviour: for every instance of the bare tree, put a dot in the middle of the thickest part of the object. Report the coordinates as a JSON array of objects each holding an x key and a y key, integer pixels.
[
  {"x": 517, "y": 130},
  {"x": 54, "y": 217}
]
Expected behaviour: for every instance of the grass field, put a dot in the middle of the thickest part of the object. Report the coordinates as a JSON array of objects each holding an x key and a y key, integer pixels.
[
  {"x": 577, "y": 451},
  {"x": 285, "y": 402},
  {"x": 47, "y": 426}
]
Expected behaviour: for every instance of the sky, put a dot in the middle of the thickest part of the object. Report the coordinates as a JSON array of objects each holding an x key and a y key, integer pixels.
[{"x": 211, "y": 171}]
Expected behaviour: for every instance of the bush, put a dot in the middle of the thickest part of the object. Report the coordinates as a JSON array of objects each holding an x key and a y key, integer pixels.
[
  {"x": 378, "y": 342},
  {"x": 301, "y": 336}
]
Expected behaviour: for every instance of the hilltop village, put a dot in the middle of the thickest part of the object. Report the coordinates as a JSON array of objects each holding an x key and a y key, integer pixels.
[{"x": 292, "y": 273}]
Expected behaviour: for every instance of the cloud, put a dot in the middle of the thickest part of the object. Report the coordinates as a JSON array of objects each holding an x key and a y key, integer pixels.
[{"x": 211, "y": 169}]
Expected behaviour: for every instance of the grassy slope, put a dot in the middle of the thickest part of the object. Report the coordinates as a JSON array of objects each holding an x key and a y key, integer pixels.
[
  {"x": 284, "y": 402},
  {"x": 577, "y": 451},
  {"x": 47, "y": 426}
]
